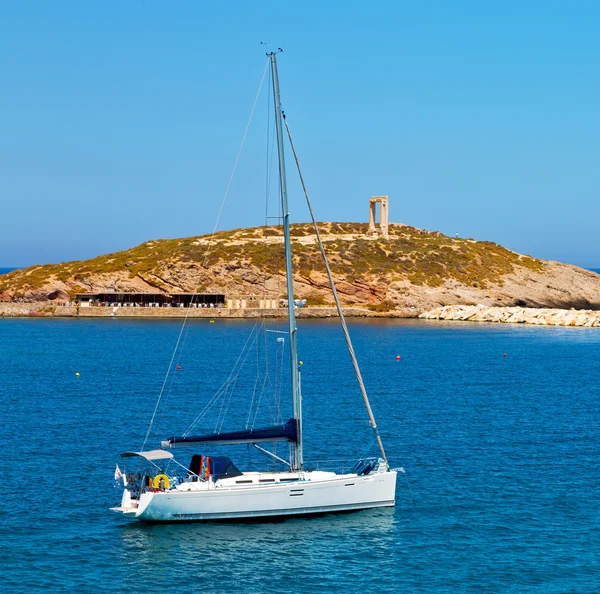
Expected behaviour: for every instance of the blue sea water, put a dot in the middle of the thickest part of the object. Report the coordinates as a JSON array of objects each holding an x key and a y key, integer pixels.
[
  {"x": 501, "y": 453},
  {"x": 6, "y": 270}
]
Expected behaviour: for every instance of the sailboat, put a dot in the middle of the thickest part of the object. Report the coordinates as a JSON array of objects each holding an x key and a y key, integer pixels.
[{"x": 213, "y": 487}]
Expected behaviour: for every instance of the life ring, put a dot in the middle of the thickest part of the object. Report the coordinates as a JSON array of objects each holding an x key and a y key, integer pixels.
[{"x": 161, "y": 478}]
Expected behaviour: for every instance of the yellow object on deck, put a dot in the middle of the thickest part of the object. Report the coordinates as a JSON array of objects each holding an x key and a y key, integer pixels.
[{"x": 161, "y": 481}]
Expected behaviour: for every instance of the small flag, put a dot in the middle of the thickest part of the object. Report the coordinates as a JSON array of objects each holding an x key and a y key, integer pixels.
[
  {"x": 118, "y": 475},
  {"x": 205, "y": 467}
]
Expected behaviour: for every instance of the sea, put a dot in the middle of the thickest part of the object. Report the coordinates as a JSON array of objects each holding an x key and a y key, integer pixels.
[{"x": 497, "y": 428}]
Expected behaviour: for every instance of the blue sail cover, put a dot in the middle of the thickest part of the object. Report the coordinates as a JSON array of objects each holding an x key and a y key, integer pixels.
[{"x": 287, "y": 432}]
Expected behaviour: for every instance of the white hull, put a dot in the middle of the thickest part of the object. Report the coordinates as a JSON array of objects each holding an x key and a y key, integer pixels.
[{"x": 318, "y": 493}]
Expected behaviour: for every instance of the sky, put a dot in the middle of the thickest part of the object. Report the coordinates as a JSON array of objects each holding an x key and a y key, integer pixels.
[{"x": 120, "y": 122}]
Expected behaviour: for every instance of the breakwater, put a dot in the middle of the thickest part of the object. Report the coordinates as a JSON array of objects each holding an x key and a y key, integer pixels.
[{"x": 515, "y": 315}]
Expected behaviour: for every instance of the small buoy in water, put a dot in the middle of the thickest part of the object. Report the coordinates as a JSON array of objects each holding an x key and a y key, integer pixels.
[
  {"x": 397, "y": 357},
  {"x": 301, "y": 363},
  {"x": 77, "y": 374},
  {"x": 504, "y": 355},
  {"x": 212, "y": 321},
  {"x": 179, "y": 367}
]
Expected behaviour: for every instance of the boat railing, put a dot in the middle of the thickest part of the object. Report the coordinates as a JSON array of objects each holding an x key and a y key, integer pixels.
[{"x": 342, "y": 466}]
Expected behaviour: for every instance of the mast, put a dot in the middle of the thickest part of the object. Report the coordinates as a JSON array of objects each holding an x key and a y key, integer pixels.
[{"x": 295, "y": 371}]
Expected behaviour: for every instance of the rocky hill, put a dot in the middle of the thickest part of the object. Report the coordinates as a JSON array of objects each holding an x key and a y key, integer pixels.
[{"x": 413, "y": 269}]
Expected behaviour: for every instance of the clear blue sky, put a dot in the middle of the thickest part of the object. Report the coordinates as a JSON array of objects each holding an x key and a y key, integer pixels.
[{"x": 120, "y": 121}]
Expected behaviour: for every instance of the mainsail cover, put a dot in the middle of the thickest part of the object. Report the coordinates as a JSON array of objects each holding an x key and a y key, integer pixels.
[{"x": 287, "y": 432}]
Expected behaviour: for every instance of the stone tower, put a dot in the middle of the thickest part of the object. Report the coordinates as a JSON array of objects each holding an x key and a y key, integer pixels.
[{"x": 382, "y": 229}]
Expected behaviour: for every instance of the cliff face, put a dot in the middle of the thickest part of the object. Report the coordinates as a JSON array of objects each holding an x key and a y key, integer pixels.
[{"x": 412, "y": 269}]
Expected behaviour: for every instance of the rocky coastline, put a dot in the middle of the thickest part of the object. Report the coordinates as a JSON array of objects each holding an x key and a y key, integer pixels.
[
  {"x": 455, "y": 313},
  {"x": 515, "y": 315}
]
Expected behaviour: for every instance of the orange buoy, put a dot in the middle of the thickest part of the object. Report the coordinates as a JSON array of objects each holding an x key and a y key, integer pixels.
[
  {"x": 504, "y": 355},
  {"x": 397, "y": 357},
  {"x": 179, "y": 367}
]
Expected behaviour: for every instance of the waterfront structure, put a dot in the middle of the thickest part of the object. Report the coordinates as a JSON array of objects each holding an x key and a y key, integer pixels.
[
  {"x": 268, "y": 301},
  {"x": 252, "y": 302},
  {"x": 150, "y": 299}
]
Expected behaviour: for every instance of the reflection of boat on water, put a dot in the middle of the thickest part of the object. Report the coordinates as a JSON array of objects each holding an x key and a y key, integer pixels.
[
  {"x": 377, "y": 524},
  {"x": 253, "y": 549},
  {"x": 213, "y": 488}
]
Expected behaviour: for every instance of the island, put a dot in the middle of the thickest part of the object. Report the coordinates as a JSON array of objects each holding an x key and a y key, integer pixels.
[{"x": 409, "y": 272}]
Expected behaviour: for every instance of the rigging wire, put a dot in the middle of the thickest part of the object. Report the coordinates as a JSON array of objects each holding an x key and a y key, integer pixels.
[
  {"x": 337, "y": 303},
  {"x": 206, "y": 254},
  {"x": 257, "y": 380},
  {"x": 268, "y": 161},
  {"x": 362, "y": 454},
  {"x": 265, "y": 382},
  {"x": 222, "y": 414},
  {"x": 223, "y": 389},
  {"x": 407, "y": 483},
  {"x": 267, "y": 249},
  {"x": 260, "y": 395}
]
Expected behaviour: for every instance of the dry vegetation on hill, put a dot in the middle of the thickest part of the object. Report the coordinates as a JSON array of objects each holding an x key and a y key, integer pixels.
[{"x": 411, "y": 268}]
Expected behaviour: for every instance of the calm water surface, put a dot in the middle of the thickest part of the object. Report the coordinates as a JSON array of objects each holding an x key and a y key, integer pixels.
[{"x": 501, "y": 452}]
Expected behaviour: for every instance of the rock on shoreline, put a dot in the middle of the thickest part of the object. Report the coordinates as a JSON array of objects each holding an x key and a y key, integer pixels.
[{"x": 515, "y": 315}]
